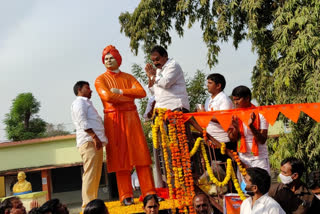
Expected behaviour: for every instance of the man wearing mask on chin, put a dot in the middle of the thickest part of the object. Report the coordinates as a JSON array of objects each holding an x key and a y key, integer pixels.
[
  {"x": 127, "y": 147},
  {"x": 292, "y": 194},
  {"x": 256, "y": 184}
]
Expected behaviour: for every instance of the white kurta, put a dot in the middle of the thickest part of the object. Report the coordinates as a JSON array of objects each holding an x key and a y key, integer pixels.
[
  {"x": 170, "y": 89},
  {"x": 264, "y": 205},
  {"x": 220, "y": 102}
]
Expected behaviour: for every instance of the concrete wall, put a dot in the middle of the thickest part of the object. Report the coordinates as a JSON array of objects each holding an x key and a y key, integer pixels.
[{"x": 37, "y": 154}]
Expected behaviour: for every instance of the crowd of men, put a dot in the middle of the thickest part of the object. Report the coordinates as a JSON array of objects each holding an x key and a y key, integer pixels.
[{"x": 118, "y": 90}]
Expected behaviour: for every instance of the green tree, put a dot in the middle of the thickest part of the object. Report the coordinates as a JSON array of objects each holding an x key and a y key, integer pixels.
[
  {"x": 22, "y": 123},
  {"x": 284, "y": 34},
  {"x": 196, "y": 89},
  {"x": 55, "y": 130}
]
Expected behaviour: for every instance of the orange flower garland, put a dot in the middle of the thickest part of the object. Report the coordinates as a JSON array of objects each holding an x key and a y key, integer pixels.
[
  {"x": 204, "y": 133},
  {"x": 237, "y": 159},
  {"x": 186, "y": 162},
  {"x": 175, "y": 160},
  {"x": 178, "y": 169}
]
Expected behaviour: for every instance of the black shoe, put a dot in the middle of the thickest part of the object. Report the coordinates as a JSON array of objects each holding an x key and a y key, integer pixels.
[{"x": 127, "y": 201}]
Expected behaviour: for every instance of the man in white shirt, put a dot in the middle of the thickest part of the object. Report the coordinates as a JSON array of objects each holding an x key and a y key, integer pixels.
[
  {"x": 167, "y": 81},
  {"x": 90, "y": 140},
  {"x": 256, "y": 184},
  {"x": 218, "y": 101},
  {"x": 252, "y": 147}
]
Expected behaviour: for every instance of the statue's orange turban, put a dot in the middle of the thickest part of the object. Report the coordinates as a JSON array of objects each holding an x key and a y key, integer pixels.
[{"x": 113, "y": 51}]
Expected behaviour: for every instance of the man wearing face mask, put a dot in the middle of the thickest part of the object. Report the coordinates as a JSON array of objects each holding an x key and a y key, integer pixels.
[
  {"x": 256, "y": 183},
  {"x": 127, "y": 147},
  {"x": 292, "y": 194}
]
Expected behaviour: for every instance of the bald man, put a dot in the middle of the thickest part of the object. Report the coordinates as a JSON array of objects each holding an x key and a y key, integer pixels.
[
  {"x": 127, "y": 147},
  {"x": 202, "y": 204}
]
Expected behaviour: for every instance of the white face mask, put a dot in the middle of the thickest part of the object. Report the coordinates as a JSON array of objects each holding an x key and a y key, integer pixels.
[{"x": 285, "y": 179}]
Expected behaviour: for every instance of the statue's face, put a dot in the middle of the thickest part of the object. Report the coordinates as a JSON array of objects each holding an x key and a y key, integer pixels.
[
  {"x": 21, "y": 176},
  {"x": 110, "y": 62}
]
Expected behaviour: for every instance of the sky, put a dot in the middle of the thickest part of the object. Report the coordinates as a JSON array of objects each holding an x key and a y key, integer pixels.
[{"x": 47, "y": 46}]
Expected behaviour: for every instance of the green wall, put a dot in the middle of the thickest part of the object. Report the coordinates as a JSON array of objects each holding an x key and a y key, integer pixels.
[{"x": 39, "y": 154}]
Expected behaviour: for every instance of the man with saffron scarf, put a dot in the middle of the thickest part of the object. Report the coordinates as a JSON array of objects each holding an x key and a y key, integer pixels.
[
  {"x": 127, "y": 145},
  {"x": 251, "y": 140}
]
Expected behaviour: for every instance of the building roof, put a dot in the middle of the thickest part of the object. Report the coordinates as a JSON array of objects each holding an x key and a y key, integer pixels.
[
  {"x": 37, "y": 140},
  {"x": 41, "y": 153}
]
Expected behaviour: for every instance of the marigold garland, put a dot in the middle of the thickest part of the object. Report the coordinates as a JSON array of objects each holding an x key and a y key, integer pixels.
[
  {"x": 196, "y": 146},
  {"x": 237, "y": 186},
  {"x": 175, "y": 160},
  {"x": 186, "y": 163},
  {"x": 155, "y": 128},
  {"x": 204, "y": 134},
  {"x": 164, "y": 143},
  {"x": 242, "y": 170},
  {"x": 223, "y": 148},
  {"x": 230, "y": 173},
  {"x": 179, "y": 169},
  {"x": 210, "y": 172}
]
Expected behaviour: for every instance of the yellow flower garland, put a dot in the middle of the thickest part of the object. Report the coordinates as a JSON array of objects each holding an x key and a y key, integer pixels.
[
  {"x": 223, "y": 148},
  {"x": 230, "y": 173},
  {"x": 155, "y": 128},
  {"x": 180, "y": 169},
  {"x": 237, "y": 186},
  {"x": 210, "y": 172},
  {"x": 196, "y": 146},
  {"x": 164, "y": 144}
]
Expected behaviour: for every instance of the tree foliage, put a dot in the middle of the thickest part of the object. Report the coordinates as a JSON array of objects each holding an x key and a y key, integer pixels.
[
  {"x": 196, "y": 89},
  {"x": 22, "y": 123},
  {"x": 284, "y": 34},
  {"x": 55, "y": 130}
]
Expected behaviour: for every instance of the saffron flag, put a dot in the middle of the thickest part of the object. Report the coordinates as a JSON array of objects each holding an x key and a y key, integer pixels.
[{"x": 270, "y": 113}]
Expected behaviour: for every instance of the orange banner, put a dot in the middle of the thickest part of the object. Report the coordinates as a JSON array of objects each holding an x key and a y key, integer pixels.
[
  {"x": 231, "y": 203},
  {"x": 271, "y": 112},
  {"x": 224, "y": 119},
  {"x": 312, "y": 110}
]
